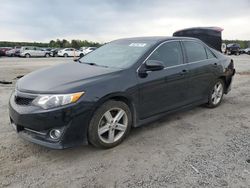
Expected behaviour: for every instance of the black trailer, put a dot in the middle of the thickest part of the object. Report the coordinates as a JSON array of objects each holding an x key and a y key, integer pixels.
[{"x": 210, "y": 35}]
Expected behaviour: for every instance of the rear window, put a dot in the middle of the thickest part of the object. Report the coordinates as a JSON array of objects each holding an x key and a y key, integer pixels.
[{"x": 195, "y": 51}]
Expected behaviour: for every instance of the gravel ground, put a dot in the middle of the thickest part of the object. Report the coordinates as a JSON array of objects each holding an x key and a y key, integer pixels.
[{"x": 196, "y": 148}]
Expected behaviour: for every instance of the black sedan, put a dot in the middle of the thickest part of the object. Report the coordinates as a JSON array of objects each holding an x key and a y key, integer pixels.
[
  {"x": 53, "y": 52},
  {"x": 125, "y": 83}
]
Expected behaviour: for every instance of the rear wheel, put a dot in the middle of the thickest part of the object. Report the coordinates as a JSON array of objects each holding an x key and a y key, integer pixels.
[
  {"x": 216, "y": 94},
  {"x": 65, "y": 55},
  {"x": 46, "y": 55},
  {"x": 110, "y": 124},
  {"x": 27, "y": 55}
]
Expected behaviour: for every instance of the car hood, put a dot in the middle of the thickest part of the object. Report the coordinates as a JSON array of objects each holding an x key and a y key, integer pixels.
[{"x": 63, "y": 78}]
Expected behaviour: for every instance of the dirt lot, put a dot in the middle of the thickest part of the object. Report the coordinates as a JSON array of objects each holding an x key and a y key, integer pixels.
[{"x": 197, "y": 148}]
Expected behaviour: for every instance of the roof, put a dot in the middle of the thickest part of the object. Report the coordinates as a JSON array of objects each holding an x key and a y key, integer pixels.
[
  {"x": 202, "y": 28},
  {"x": 152, "y": 39}
]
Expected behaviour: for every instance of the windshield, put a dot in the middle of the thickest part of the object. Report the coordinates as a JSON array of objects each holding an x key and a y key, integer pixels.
[{"x": 117, "y": 54}]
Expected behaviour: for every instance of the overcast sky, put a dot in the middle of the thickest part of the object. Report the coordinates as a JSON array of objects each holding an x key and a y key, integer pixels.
[{"x": 105, "y": 20}]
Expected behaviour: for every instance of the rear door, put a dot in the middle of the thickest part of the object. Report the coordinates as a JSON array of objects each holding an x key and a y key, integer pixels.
[
  {"x": 164, "y": 90},
  {"x": 202, "y": 65},
  {"x": 72, "y": 52},
  {"x": 32, "y": 51},
  {"x": 40, "y": 52}
]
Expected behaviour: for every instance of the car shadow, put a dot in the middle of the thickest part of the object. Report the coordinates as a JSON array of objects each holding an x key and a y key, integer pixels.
[{"x": 89, "y": 150}]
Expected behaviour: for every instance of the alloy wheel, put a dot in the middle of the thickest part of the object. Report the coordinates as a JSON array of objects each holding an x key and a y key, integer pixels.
[
  {"x": 217, "y": 93},
  {"x": 113, "y": 125}
]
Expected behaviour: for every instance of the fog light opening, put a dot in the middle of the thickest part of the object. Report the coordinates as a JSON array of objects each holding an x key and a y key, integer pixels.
[{"x": 55, "y": 134}]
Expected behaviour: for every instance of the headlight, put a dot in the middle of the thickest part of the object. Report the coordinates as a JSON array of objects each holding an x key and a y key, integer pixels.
[{"x": 52, "y": 101}]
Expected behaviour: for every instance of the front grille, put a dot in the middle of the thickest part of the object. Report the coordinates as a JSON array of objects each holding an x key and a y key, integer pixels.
[{"x": 23, "y": 100}]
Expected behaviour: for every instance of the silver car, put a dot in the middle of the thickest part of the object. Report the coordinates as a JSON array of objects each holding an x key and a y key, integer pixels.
[{"x": 33, "y": 51}]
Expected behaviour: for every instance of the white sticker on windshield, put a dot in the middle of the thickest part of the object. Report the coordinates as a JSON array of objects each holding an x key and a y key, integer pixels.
[{"x": 138, "y": 45}]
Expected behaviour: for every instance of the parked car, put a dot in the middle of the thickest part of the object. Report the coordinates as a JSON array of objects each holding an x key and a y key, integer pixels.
[
  {"x": 32, "y": 51},
  {"x": 69, "y": 52},
  {"x": 47, "y": 49},
  {"x": 88, "y": 50},
  {"x": 125, "y": 83},
  {"x": 233, "y": 48},
  {"x": 17, "y": 53},
  {"x": 54, "y": 52},
  {"x": 3, "y": 50},
  {"x": 13, "y": 52},
  {"x": 247, "y": 51}
]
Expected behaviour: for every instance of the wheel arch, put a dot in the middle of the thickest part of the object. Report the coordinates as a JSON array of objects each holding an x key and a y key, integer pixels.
[
  {"x": 119, "y": 97},
  {"x": 227, "y": 82}
]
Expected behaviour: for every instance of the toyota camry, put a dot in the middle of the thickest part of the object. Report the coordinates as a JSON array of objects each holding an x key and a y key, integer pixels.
[{"x": 123, "y": 84}]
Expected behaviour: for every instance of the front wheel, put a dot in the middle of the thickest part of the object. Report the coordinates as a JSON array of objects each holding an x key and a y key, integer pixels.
[
  {"x": 47, "y": 55},
  {"x": 216, "y": 94},
  {"x": 110, "y": 124},
  {"x": 65, "y": 55}
]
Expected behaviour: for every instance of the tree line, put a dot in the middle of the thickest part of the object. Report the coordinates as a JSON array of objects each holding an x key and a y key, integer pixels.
[
  {"x": 81, "y": 43},
  {"x": 53, "y": 44}
]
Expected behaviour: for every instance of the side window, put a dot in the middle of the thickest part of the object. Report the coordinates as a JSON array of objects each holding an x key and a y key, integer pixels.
[
  {"x": 169, "y": 53},
  {"x": 195, "y": 51},
  {"x": 210, "y": 54}
]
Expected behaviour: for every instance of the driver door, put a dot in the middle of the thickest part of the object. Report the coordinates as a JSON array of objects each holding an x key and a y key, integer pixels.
[{"x": 166, "y": 89}]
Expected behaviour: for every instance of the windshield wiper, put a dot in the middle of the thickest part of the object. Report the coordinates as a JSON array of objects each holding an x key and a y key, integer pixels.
[{"x": 94, "y": 64}]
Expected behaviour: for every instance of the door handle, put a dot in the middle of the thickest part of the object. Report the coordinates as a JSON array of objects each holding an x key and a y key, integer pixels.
[
  {"x": 183, "y": 72},
  {"x": 215, "y": 64}
]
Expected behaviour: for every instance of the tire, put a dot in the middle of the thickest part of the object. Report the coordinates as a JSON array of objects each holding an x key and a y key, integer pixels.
[
  {"x": 65, "y": 55},
  {"x": 27, "y": 55},
  {"x": 104, "y": 124},
  {"x": 81, "y": 55},
  {"x": 215, "y": 97},
  {"x": 47, "y": 55}
]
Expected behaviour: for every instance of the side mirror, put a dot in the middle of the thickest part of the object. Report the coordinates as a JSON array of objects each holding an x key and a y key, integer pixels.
[
  {"x": 154, "y": 65},
  {"x": 150, "y": 65}
]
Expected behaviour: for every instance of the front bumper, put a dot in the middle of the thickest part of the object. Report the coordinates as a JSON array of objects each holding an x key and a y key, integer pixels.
[{"x": 34, "y": 124}]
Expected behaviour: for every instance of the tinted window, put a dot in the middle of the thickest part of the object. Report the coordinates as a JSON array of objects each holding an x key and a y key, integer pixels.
[
  {"x": 169, "y": 53},
  {"x": 210, "y": 54},
  {"x": 195, "y": 51}
]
